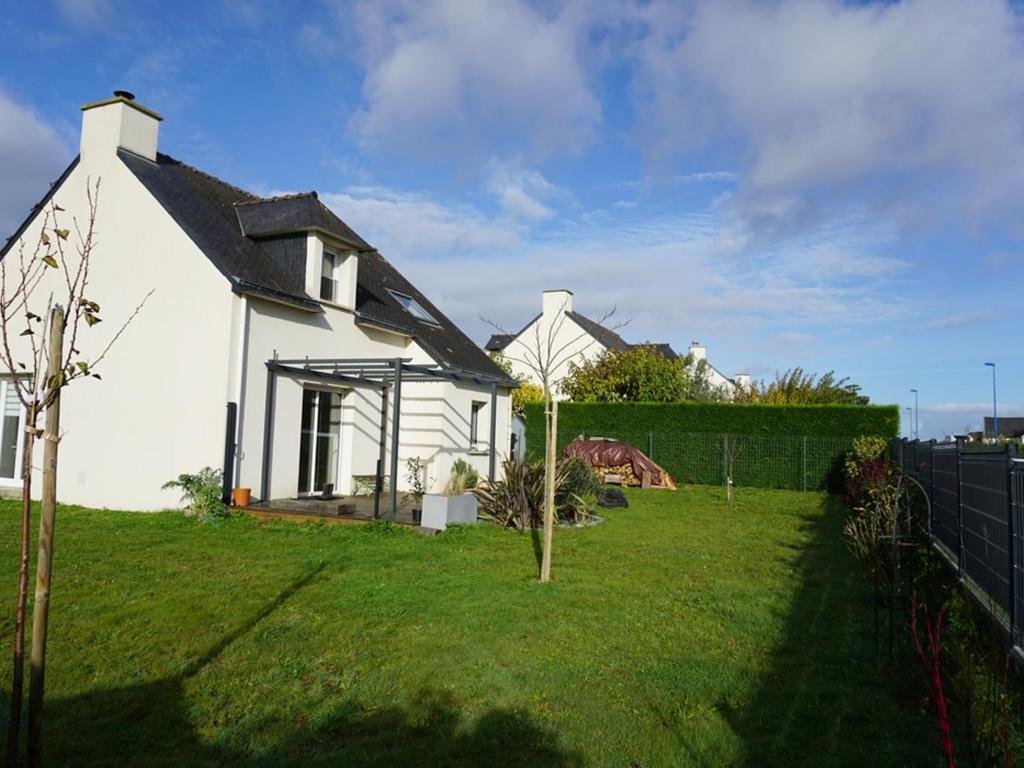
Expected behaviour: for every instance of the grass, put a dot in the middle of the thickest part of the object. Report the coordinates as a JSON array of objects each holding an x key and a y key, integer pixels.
[{"x": 682, "y": 631}]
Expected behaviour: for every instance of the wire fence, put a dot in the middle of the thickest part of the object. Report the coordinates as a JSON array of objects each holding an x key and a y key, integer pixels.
[
  {"x": 977, "y": 513},
  {"x": 799, "y": 463}
]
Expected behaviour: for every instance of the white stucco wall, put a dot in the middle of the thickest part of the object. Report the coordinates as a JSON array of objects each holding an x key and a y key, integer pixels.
[{"x": 159, "y": 408}]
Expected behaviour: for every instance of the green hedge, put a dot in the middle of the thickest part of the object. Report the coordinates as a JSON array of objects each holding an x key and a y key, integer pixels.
[
  {"x": 775, "y": 446},
  {"x": 731, "y": 418}
]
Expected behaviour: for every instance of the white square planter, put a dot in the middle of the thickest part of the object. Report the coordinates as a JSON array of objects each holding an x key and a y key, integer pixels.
[{"x": 440, "y": 511}]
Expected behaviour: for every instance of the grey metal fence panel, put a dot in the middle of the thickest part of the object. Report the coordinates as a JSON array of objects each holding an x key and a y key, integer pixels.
[
  {"x": 946, "y": 499},
  {"x": 1017, "y": 548},
  {"x": 985, "y": 501}
]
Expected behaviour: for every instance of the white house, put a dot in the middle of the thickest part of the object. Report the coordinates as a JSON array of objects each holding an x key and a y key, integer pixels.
[
  {"x": 277, "y": 343},
  {"x": 573, "y": 338}
]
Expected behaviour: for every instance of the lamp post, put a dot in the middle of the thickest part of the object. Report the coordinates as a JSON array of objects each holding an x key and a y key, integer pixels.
[
  {"x": 995, "y": 414},
  {"x": 917, "y": 432},
  {"x": 910, "y": 421}
]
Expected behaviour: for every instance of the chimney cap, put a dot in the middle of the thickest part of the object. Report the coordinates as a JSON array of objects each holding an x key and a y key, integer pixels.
[{"x": 122, "y": 97}]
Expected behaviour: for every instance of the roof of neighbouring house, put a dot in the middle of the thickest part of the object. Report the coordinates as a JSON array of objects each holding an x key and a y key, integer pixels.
[
  {"x": 228, "y": 225},
  {"x": 605, "y": 336}
]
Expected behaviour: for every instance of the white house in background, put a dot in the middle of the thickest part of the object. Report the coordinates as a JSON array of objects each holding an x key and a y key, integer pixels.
[
  {"x": 269, "y": 347},
  {"x": 578, "y": 338}
]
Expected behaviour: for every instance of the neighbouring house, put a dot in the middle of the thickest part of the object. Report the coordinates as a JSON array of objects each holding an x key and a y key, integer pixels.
[
  {"x": 578, "y": 338},
  {"x": 277, "y": 343},
  {"x": 1009, "y": 426}
]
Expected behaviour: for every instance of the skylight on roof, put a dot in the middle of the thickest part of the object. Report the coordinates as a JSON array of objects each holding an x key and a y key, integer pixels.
[{"x": 413, "y": 307}]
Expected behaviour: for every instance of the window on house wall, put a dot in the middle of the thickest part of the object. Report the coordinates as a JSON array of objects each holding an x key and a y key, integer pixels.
[
  {"x": 474, "y": 423},
  {"x": 413, "y": 307},
  {"x": 11, "y": 428},
  {"x": 329, "y": 276}
]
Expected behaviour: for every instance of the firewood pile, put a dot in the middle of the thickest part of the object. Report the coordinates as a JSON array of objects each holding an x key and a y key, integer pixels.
[{"x": 619, "y": 463}]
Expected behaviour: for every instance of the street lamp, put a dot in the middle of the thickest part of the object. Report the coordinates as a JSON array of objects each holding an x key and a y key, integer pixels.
[
  {"x": 995, "y": 414},
  {"x": 917, "y": 432},
  {"x": 910, "y": 421}
]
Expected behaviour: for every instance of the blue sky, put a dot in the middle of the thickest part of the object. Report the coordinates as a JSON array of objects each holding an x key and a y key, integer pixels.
[{"x": 816, "y": 184}]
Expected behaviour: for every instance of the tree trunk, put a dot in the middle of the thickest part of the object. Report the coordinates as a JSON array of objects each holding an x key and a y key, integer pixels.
[
  {"x": 44, "y": 559},
  {"x": 549, "y": 487},
  {"x": 18, "y": 671}
]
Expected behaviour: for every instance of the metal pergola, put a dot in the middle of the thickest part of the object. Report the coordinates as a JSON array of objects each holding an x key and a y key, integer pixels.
[{"x": 379, "y": 374}]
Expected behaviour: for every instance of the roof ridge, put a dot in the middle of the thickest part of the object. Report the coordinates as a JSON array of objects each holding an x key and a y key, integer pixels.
[
  {"x": 280, "y": 198},
  {"x": 209, "y": 176}
]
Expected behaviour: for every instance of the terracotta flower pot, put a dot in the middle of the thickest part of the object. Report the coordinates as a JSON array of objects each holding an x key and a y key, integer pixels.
[{"x": 240, "y": 497}]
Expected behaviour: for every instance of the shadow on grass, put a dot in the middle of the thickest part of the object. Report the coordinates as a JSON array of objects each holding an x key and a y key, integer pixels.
[
  {"x": 827, "y": 698},
  {"x": 151, "y": 725}
]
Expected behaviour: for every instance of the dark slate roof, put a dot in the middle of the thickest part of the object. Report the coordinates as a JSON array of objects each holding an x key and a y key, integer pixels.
[
  {"x": 206, "y": 208},
  {"x": 37, "y": 208},
  {"x": 293, "y": 213},
  {"x": 610, "y": 339},
  {"x": 498, "y": 342}
]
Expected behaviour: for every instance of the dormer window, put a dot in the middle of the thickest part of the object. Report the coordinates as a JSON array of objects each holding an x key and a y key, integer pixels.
[
  {"x": 329, "y": 276},
  {"x": 413, "y": 307}
]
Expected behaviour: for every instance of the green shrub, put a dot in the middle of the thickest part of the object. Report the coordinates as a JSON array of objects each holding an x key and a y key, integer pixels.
[
  {"x": 462, "y": 478},
  {"x": 202, "y": 493},
  {"x": 576, "y": 497}
]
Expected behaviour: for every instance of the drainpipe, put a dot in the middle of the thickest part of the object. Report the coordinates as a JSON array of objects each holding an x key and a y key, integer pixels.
[{"x": 242, "y": 360}]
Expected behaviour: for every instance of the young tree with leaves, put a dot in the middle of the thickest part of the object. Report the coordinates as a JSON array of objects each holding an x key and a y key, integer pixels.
[
  {"x": 639, "y": 374},
  {"x": 544, "y": 351},
  {"x": 44, "y": 296}
]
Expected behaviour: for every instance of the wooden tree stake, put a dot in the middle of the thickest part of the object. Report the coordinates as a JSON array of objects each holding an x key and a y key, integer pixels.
[{"x": 48, "y": 510}]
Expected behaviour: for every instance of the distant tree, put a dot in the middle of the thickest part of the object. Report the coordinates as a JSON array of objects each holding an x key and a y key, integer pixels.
[
  {"x": 639, "y": 374},
  {"x": 798, "y": 387}
]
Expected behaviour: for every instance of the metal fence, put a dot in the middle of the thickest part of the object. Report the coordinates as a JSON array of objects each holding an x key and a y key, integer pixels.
[
  {"x": 977, "y": 512},
  {"x": 759, "y": 461}
]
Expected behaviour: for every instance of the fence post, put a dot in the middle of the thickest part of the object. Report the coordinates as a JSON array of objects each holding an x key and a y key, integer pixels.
[
  {"x": 725, "y": 459},
  {"x": 959, "y": 508},
  {"x": 803, "y": 462},
  {"x": 1013, "y": 545}
]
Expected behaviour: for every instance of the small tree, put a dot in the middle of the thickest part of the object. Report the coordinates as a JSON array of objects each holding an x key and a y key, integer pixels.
[
  {"x": 543, "y": 353},
  {"x": 639, "y": 374},
  {"x": 798, "y": 387},
  {"x": 39, "y": 340}
]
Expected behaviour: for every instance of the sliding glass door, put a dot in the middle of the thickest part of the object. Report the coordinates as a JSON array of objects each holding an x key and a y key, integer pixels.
[
  {"x": 320, "y": 442},
  {"x": 12, "y": 427}
]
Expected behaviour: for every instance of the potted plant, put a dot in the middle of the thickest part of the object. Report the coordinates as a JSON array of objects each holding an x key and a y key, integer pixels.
[{"x": 455, "y": 503}]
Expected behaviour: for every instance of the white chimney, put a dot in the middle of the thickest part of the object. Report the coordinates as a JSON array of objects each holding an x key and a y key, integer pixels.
[
  {"x": 118, "y": 122},
  {"x": 742, "y": 380},
  {"x": 698, "y": 351},
  {"x": 555, "y": 301}
]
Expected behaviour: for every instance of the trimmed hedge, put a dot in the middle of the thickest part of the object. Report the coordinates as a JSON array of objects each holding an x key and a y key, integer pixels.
[
  {"x": 731, "y": 418},
  {"x": 775, "y": 446}
]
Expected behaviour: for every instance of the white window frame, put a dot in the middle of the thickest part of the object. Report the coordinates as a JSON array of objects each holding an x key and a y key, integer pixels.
[
  {"x": 335, "y": 259},
  {"x": 475, "y": 409},
  {"x": 413, "y": 307},
  {"x": 5, "y": 383}
]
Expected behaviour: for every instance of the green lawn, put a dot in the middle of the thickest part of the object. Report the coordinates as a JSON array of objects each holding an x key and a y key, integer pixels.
[{"x": 682, "y": 631}]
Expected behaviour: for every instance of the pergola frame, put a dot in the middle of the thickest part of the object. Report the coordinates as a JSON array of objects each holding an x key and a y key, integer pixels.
[{"x": 372, "y": 373}]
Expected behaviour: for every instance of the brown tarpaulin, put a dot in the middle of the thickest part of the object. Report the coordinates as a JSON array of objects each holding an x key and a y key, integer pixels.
[{"x": 600, "y": 453}]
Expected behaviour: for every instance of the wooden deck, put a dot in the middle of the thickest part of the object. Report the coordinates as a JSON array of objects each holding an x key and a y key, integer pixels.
[{"x": 344, "y": 510}]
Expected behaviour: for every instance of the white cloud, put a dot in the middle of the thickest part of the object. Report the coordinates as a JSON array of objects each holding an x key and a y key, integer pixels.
[
  {"x": 961, "y": 319},
  {"x": 32, "y": 155},
  {"x": 416, "y": 225},
  {"x": 520, "y": 191},
  {"x": 920, "y": 104},
  {"x": 84, "y": 12},
  {"x": 468, "y": 80}
]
